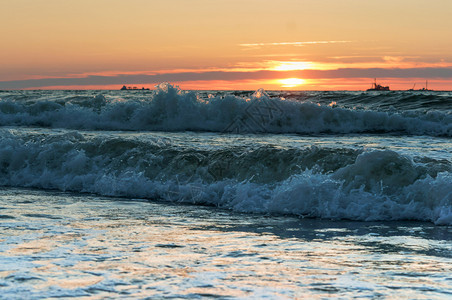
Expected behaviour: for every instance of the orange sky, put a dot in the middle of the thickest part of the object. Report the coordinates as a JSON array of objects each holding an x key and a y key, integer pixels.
[{"x": 226, "y": 44}]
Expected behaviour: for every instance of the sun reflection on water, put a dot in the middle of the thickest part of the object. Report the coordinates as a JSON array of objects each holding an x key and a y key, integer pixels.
[{"x": 107, "y": 247}]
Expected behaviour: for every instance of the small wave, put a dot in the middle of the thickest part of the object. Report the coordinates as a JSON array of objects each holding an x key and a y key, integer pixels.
[
  {"x": 171, "y": 109},
  {"x": 335, "y": 183}
]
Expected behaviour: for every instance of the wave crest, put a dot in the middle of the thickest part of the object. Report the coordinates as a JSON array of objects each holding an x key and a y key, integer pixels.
[
  {"x": 170, "y": 109},
  {"x": 332, "y": 183}
]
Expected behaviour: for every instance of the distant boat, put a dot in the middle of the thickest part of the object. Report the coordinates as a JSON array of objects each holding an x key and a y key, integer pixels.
[
  {"x": 421, "y": 90},
  {"x": 377, "y": 87},
  {"x": 412, "y": 89},
  {"x": 129, "y": 88}
]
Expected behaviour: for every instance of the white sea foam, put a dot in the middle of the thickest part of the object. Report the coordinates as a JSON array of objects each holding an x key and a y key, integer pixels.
[
  {"x": 170, "y": 109},
  {"x": 315, "y": 182}
]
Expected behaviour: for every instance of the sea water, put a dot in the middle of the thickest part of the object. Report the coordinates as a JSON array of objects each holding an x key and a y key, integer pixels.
[{"x": 172, "y": 193}]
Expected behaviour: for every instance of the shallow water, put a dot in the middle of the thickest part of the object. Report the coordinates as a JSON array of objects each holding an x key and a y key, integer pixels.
[
  {"x": 57, "y": 244},
  {"x": 173, "y": 194}
]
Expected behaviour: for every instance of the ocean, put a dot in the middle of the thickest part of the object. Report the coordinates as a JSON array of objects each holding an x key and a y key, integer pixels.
[{"x": 225, "y": 194}]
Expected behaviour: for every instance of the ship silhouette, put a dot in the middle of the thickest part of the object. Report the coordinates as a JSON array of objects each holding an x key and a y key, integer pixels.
[
  {"x": 377, "y": 87},
  {"x": 421, "y": 90},
  {"x": 129, "y": 88}
]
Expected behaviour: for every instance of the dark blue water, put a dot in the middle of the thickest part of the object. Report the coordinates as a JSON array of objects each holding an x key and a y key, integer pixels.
[{"x": 339, "y": 155}]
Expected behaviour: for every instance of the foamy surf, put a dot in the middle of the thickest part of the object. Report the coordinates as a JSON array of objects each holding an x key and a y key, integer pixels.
[
  {"x": 170, "y": 109},
  {"x": 246, "y": 174}
]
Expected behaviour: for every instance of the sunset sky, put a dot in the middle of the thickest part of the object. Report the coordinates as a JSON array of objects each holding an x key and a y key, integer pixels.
[{"x": 226, "y": 44}]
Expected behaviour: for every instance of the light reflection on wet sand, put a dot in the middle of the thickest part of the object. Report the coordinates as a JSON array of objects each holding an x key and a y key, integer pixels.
[{"x": 61, "y": 245}]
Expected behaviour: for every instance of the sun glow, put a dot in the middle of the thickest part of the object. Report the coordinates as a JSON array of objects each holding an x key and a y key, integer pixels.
[
  {"x": 292, "y": 65},
  {"x": 291, "y": 82}
]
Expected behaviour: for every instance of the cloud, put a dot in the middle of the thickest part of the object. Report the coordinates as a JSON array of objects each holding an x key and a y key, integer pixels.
[
  {"x": 382, "y": 73},
  {"x": 297, "y": 44},
  {"x": 430, "y": 73}
]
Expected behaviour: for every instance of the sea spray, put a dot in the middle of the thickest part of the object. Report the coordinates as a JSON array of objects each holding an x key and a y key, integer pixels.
[
  {"x": 248, "y": 176},
  {"x": 170, "y": 109}
]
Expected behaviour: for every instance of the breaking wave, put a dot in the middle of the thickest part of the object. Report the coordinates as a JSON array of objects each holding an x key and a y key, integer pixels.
[
  {"x": 335, "y": 183},
  {"x": 170, "y": 109}
]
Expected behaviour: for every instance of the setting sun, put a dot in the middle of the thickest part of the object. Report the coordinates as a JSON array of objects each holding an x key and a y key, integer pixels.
[
  {"x": 220, "y": 148},
  {"x": 104, "y": 44},
  {"x": 291, "y": 82}
]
